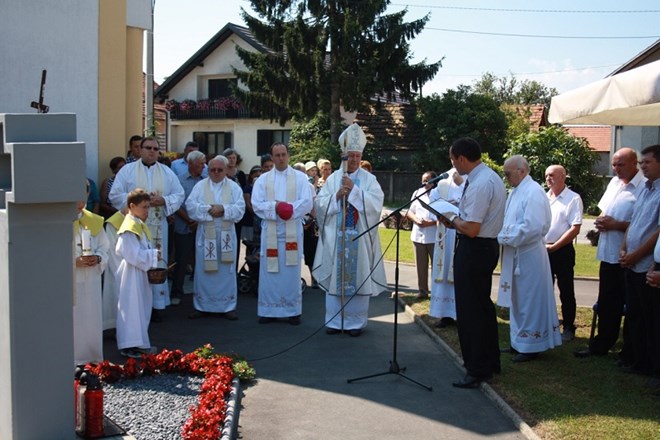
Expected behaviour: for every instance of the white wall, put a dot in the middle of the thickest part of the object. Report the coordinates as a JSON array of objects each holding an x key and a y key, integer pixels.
[
  {"x": 62, "y": 37},
  {"x": 138, "y": 13},
  {"x": 637, "y": 137}
]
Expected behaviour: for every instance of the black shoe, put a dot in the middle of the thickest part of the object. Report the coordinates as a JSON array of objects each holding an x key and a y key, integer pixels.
[
  {"x": 444, "y": 323},
  {"x": 621, "y": 363},
  {"x": 469, "y": 381},
  {"x": 266, "y": 320},
  {"x": 524, "y": 357},
  {"x": 331, "y": 331},
  {"x": 422, "y": 295},
  {"x": 355, "y": 332},
  {"x": 509, "y": 350},
  {"x": 196, "y": 315},
  {"x": 231, "y": 316},
  {"x": 586, "y": 353},
  {"x": 156, "y": 316},
  {"x": 294, "y": 320}
]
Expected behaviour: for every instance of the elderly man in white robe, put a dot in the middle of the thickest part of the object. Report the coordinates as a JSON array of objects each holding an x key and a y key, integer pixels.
[
  {"x": 217, "y": 204},
  {"x": 525, "y": 281},
  {"x": 349, "y": 271},
  {"x": 281, "y": 198},
  {"x": 443, "y": 300},
  {"x": 90, "y": 252},
  {"x": 167, "y": 195}
]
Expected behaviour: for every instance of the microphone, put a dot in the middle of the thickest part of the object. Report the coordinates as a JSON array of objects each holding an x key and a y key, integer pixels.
[{"x": 437, "y": 179}]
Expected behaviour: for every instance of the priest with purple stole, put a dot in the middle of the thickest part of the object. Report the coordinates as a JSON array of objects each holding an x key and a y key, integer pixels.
[
  {"x": 349, "y": 271},
  {"x": 281, "y": 198}
]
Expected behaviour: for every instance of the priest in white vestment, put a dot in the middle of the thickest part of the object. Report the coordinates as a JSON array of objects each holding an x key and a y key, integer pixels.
[
  {"x": 110, "y": 281},
  {"x": 281, "y": 198},
  {"x": 90, "y": 241},
  {"x": 349, "y": 271},
  {"x": 135, "y": 295},
  {"x": 216, "y": 204},
  {"x": 443, "y": 301},
  {"x": 167, "y": 195},
  {"x": 525, "y": 281}
]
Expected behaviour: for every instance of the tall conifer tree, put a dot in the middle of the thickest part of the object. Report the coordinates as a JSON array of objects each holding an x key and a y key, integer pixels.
[{"x": 324, "y": 54}]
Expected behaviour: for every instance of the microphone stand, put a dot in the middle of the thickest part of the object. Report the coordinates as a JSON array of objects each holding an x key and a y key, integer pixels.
[{"x": 394, "y": 365}]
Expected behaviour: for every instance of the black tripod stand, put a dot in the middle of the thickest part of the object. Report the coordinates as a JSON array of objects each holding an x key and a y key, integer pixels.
[{"x": 394, "y": 365}]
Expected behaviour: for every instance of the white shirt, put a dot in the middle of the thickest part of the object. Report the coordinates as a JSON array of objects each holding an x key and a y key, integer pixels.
[
  {"x": 566, "y": 211},
  {"x": 617, "y": 202},
  {"x": 418, "y": 234}
]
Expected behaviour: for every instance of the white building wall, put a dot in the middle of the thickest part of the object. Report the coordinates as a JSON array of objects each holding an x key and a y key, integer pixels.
[{"x": 61, "y": 37}]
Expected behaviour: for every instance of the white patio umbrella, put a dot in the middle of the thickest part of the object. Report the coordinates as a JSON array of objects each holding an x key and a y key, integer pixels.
[{"x": 630, "y": 98}]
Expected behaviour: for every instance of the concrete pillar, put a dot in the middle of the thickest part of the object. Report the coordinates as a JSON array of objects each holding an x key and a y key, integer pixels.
[{"x": 42, "y": 172}]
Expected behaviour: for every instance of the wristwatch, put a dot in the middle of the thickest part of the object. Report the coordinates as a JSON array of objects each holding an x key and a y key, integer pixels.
[{"x": 452, "y": 217}]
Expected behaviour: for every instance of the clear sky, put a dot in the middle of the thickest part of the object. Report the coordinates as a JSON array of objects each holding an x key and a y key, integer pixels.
[{"x": 182, "y": 27}]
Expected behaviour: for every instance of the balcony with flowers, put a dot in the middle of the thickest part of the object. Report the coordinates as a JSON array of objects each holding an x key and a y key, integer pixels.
[{"x": 219, "y": 108}]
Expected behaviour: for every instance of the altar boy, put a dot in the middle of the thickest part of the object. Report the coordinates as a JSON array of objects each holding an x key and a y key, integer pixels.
[{"x": 135, "y": 298}]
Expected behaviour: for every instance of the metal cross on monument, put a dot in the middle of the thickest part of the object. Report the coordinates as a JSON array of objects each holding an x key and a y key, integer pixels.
[{"x": 40, "y": 106}]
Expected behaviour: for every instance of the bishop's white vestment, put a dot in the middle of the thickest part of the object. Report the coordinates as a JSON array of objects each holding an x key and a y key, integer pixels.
[
  {"x": 525, "y": 281},
  {"x": 363, "y": 270},
  {"x": 216, "y": 244},
  {"x": 161, "y": 180},
  {"x": 281, "y": 251}
]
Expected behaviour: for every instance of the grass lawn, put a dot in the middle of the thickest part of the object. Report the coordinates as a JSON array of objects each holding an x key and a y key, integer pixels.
[
  {"x": 586, "y": 264},
  {"x": 559, "y": 396},
  {"x": 562, "y": 397}
]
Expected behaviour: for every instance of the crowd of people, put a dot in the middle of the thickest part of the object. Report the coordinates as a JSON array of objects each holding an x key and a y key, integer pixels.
[{"x": 190, "y": 216}]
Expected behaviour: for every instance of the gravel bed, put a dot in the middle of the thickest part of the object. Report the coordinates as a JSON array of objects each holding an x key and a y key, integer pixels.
[{"x": 152, "y": 407}]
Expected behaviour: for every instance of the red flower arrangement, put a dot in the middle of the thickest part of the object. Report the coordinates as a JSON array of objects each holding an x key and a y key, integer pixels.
[{"x": 207, "y": 417}]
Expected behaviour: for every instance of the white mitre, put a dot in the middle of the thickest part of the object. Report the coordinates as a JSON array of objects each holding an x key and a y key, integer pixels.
[{"x": 353, "y": 139}]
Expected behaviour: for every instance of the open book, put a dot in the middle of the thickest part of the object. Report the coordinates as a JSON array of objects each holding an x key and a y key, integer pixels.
[{"x": 441, "y": 208}]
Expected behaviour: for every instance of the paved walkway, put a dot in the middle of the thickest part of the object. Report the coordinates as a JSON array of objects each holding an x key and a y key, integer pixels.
[{"x": 302, "y": 390}]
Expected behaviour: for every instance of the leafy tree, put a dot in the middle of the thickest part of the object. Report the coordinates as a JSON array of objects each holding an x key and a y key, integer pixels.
[
  {"x": 555, "y": 146},
  {"x": 311, "y": 141},
  {"x": 455, "y": 114},
  {"x": 322, "y": 53},
  {"x": 508, "y": 90}
]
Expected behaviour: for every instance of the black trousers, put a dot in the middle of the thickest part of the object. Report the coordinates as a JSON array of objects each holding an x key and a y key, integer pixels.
[
  {"x": 611, "y": 299},
  {"x": 474, "y": 262},
  {"x": 639, "y": 320},
  {"x": 184, "y": 250},
  {"x": 562, "y": 262}
]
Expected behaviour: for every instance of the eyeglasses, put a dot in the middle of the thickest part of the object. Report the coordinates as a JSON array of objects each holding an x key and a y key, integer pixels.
[
  {"x": 216, "y": 170},
  {"x": 150, "y": 148}
]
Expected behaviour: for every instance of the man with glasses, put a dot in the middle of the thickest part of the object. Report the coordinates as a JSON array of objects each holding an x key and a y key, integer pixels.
[
  {"x": 167, "y": 195},
  {"x": 217, "y": 204},
  {"x": 525, "y": 280},
  {"x": 281, "y": 198}
]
